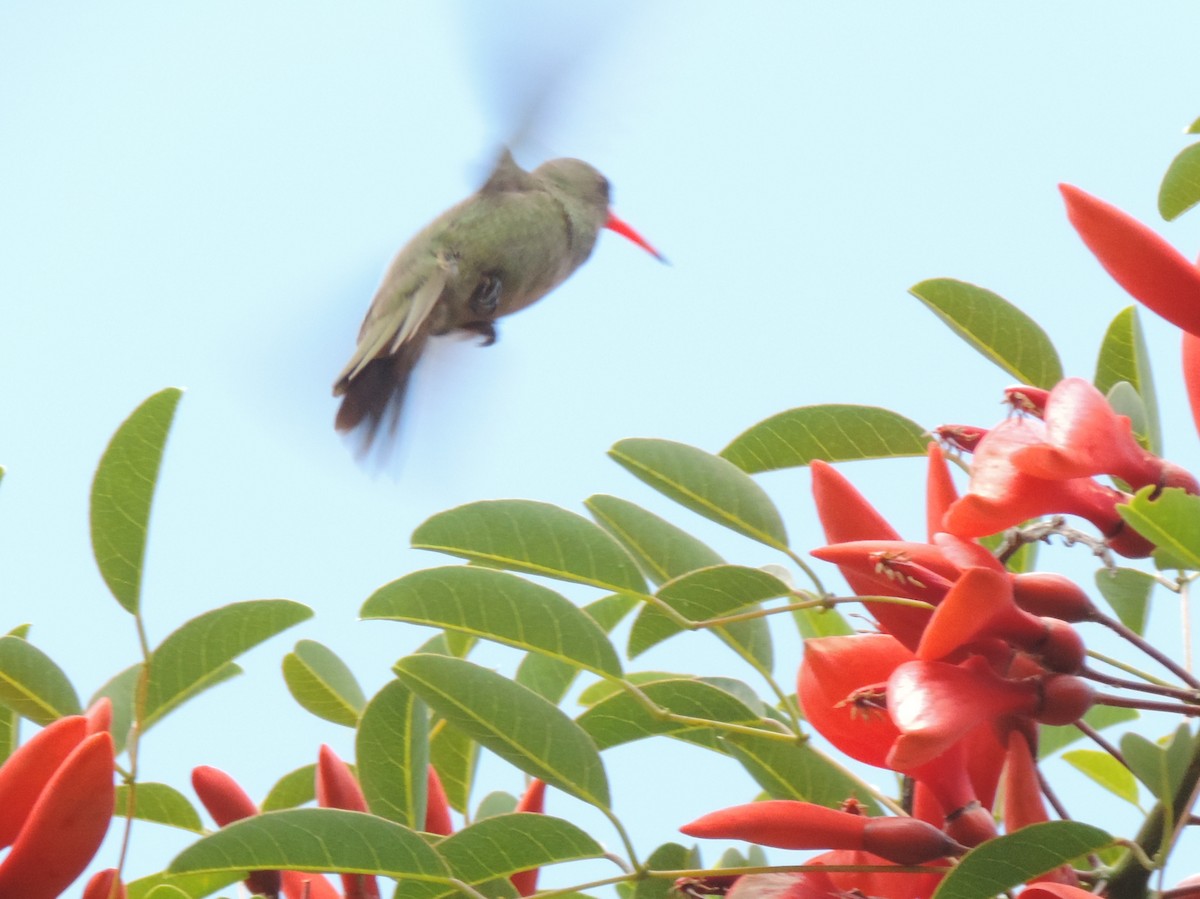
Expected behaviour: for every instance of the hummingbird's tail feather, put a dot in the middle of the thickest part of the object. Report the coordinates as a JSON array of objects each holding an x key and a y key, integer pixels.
[{"x": 374, "y": 398}]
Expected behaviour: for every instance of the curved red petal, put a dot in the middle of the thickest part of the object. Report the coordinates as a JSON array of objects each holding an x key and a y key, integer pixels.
[
  {"x": 1151, "y": 270},
  {"x": 65, "y": 826},
  {"x": 25, "y": 773}
]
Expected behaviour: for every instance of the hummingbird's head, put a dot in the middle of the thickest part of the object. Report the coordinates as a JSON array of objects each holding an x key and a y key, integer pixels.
[{"x": 585, "y": 194}]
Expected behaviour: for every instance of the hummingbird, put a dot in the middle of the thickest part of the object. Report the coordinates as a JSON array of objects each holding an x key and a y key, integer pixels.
[{"x": 506, "y": 246}]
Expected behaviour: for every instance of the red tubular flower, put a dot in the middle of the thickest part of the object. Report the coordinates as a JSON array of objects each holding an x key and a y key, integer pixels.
[
  {"x": 787, "y": 824},
  {"x": 846, "y": 515},
  {"x": 980, "y": 606},
  {"x": 1191, "y": 374},
  {"x": 437, "y": 806},
  {"x": 1030, "y": 400},
  {"x": 23, "y": 777},
  {"x": 940, "y": 492},
  {"x": 65, "y": 825},
  {"x": 1001, "y": 495},
  {"x": 963, "y": 438},
  {"x": 227, "y": 802},
  {"x": 533, "y": 802},
  {"x": 1151, "y": 270},
  {"x": 1085, "y": 437},
  {"x": 104, "y": 885},
  {"x": 338, "y": 788},
  {"x": 301, "y": 885}
]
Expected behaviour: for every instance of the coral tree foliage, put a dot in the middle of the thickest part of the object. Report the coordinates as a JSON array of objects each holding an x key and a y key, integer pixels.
[{"x": 969, "y": 669}]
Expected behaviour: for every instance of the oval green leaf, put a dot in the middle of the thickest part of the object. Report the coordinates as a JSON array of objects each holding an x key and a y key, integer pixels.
[
  {"x": 122, "y": 492},
  {"x": 183, "y": 886},
  {"x": 392, "y": 752},
  {"x": 551, "y": 678},
  {"x": 661, "y": 549},
  {"x": 323, "y": 684},
  {"x": 621, "y": 718},
  {"x": 1127, "y": 591},
  {"x": 501, "y": 845},
  {"x": 196, "y": 655},
  {"x": 456, "y": 757},
  {"x": 712, "y": 593},
  {"x": 510, "y": 720},
  {"x": 532, "y": 537},
  {"x": 32, "y": 685},
  {"x": 160, "y": 804},
  {"x": 1171, "y": 521},
  {"x": 314, "y": 839},
  {"x": 1010, "y": 860},
  {"x": 832, "y": 433},
  {"x": 706, "y": 484},
  {"x": 1106, "y": 771},
  {"x": 1180, "y": 188},
  {"x": 995, "y": 327},
  {"x": 497, "y": 606},
  {"x": 294, "y": 789},
  {"x": 1124, "y": 357},
  {"x": 790, "y": 769}
]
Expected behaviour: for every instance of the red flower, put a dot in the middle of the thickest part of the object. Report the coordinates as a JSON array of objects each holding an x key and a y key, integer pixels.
[
  {"x": 534, "y": 802},
  {"x": 1191, "y": 374},
  {"x": 786, "y": 824},
  {"x": 338, "y": 788},
  {"x": 227, "y": 802},
  {"x": 56, "y": 802},
  {"x": 437, "y": 806},
  {"x": 1150, "y": 269}
]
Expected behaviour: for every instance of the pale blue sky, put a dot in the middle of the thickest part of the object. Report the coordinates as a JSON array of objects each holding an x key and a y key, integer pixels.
[{"x": 205, "y": 194}]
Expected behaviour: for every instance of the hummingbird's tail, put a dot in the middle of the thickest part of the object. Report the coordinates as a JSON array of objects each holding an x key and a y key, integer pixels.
[{"x": 374, "y": 397}]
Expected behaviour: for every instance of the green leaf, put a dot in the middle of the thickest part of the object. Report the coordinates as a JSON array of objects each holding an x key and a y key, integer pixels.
[
  {"x": 455, "y": 756},
  {"x": 122, "y": 492},
  {"x": 198, "y": 653},
  {"x": 160, "y": 804},
  {"x": 494, "y": 803},
  {"x": 120, "y": 690},
  {"x": 1160, "y": 766},
  {"x": 794, "y": 770},
  {"x": 1128, "y": 591},
  {"x": 497, "y": 606},
  {"x": 392, "y": 751},
  {"x": 510, "y": 720},
  {"x": 1180, "y": 188},
  {"x": 322, "y": 683},
  {"x": 1171, "y": 522},
  {"x": 314, "y": 839},
  {"x": 293, "y": 789},
  {"x": 1106, "y": 771},
  {"x": 1052, "y": 738},
  {"x": 706, "y": 484},
  {"x": 183, "y": 886},
  {"x": 1193, "y": 128},
  {"x": 551, "y": 678},
  {"x": 712, "y": 593},
  {"x": 620, "y": 718},
  {"x": 661, "y": 549},
  {"x": 667, "y": 857},
  {"x": 833, "y": 433},
  {"x": 534, "y": 538},
  {"x": 502, "y": 845},
  {"x": 1125, "y": 357},
  {"x": 995, "y": 327},
  {"x": 32, "y": 685},
  {"x": 1012, "y": 859}
]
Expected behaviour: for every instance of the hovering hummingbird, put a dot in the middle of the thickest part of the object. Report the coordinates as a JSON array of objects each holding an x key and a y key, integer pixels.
[{"x": 501, "y": 249}]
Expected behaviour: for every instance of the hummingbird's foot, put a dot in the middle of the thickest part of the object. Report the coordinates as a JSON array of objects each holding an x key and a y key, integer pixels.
[
  {"x": 485, "y": 329},
  {"x": 485, "y": 298}
]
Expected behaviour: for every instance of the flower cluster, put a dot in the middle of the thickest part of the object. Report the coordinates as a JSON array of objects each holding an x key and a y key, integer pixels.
[
  {"x": 337, "y": 787},
  {"x": 969, "y": 658},
  {"x": 56, "y": 801}
]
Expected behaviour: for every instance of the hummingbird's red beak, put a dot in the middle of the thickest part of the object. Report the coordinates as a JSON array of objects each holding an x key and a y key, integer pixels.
[{"x": 615, "y": 224}]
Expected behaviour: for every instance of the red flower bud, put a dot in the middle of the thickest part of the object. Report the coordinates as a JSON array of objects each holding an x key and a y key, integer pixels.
[
  {"x": 338, "y": 788},
  {"x": 104, "y": 885},
  {"x": 23, "y": 777},
  {"x": 437, "y": 807},
  {"x": 1052, "y": 595},
  {"x": 303, "y": 885},
  {"x": 65, "y": 826},
  {"x": 1065, "y": 699},
  {"x": 533, "y": 802},
  {"x": 227, "y": 802},
  {"x": 1191, "y": 374}
]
